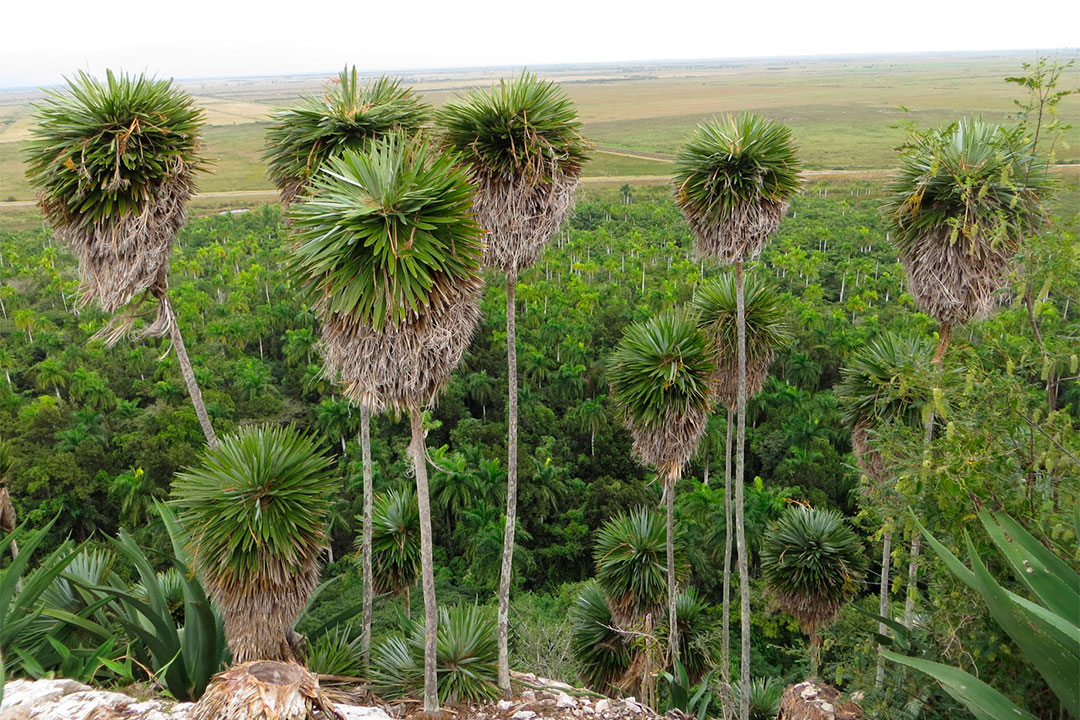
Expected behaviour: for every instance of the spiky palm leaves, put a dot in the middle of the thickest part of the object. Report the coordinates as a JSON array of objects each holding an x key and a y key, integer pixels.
[
  {"x": 395, "y": 542},
  {"x": 347, "y": 116},
  {"x": 812, "y": 563},
  {"x": 767, "y": 330},
  {"x": 601, "y": 653},
  {"x": 256, "y": 509},
  {"x": 961, "y": 203},
  {"x": 629, "y": 557}
]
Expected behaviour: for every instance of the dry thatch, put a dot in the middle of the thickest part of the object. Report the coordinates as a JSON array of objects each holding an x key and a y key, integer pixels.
[
  {"x": 672, "y": 443},
  {"x": 264, "y": 691},
  {"x": 7, "y": 509},
  {"x": 408, "y": 363},
  {"x": 725, "y": 381},
  {"x": 954, "y": 281},
  {"x": 520, "y": 214},
  {"x": 810, "y": 701},
  {"x": 867, "y": 458},
  {"x": 742, "y": 236},
  {"x": 812, "y": 611}
]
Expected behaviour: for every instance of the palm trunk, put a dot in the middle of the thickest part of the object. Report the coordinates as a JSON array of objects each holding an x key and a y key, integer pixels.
[
  {"x": 913, "y": 580},
  {"x": 815, "y": 654},
  {"x": 408, "y": 602},
  {"x": 725, "y": 642},
  {"x": 740, "y": 491},
  {"x": 511, "y": 488},
  {"x": 365, "y": 459},
  {"x": 189, "y": 375},
  {"x": 673, "y": 627},
  {"x": 427, "y": 570},
  {"x": 883, "y": 604}
]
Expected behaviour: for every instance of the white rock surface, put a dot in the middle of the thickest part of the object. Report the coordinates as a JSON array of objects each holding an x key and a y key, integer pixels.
[
  {"x": 565, "y": 701},
  {"x": 524, "y": 715}
]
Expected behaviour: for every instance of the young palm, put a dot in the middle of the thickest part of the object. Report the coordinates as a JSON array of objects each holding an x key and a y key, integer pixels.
[
  {"x": 256, "y": 508},
  {"x": 113, "y": 164},
  {"x": 389, "y": 251},
  {"x": 395, "y": 544},
  {"x": 659, "y": 378},
  {"x": 733, "y": 181},
  {"x": 347, "y": 116},
  {"x": 813, "y": 564},
  {"x": 522, "y": 146}
]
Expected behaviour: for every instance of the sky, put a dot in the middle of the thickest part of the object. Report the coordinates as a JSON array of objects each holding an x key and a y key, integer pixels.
[{"x": 43, "y": 40}]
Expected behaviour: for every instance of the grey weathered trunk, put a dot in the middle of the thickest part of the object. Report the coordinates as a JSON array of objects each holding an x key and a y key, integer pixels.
[
  {"x": 365, "y": 459},
  {"x": 673, "y": 627},
  {"x": 511, "y": 488},
  {"x": 725, "y": 641},
  {"x": 189, "y": 375},
  {"x": 913, "y": 580},
  {"x": 883, "y": 603},
  {"x": 740, "y": 491},
  {"x": 427, "y": 570}
]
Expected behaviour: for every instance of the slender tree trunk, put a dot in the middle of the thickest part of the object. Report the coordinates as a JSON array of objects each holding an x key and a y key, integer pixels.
[
  {"x": 673, "y": 626},
  {"x": 883, "y": 603},
  {"x": 725, "y": 643},
  {"x": 815, "y": 654},
  {"x": 511, "y": 488},
  {"x": 189, "y": 375},
  {"x": 705, "y": 473},
  {"x": 427, "y": 570},
  {"x": 740, "y": 491},
  {"x": 913, "y": 580},
  {"x": 365, "y": 459},
  {"x": 408, "y": 602}
]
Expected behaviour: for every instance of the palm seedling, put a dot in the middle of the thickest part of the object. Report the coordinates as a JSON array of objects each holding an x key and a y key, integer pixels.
[
  {"x": 113, "y": 165},
  {"x": 522, "y": 146},
  {"x": 812, "y": 563},
  {"x": 395, "y": 544},
  {"x": 256, "y": 509},
  {"x": 348, "y": 116},
  {"x": 733, "y": 180},
  {"x": 389, "y": 251},
  {"x": 659, "y": 378}
]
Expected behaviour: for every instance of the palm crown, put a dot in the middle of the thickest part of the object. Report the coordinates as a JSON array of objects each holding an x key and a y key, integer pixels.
[
  {"x": 630, "y": 565},
  {"x": 345, "y": 117},
  {"x": 887, "y": 379},
  {"x": 395, "y": 541}
]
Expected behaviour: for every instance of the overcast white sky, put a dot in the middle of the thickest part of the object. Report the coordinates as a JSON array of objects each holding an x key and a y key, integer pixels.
[{"x": 41, "y": 40}]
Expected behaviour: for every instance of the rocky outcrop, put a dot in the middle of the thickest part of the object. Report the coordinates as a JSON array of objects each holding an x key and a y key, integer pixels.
[{"x": 810, "y": 701}]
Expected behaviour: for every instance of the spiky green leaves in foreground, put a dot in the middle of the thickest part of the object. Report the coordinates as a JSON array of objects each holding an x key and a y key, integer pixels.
[
  {"x": 386, "y": 233},
  {"x": 102, "y": 150},
  {"x": 395, "y": 541},
  {"x": 526, "y": 127},
  {"x": 257, "y": 506},
  {"x": 812, "y": 563},
  {"x": 887, "y": 379},
  {"x": 345, "y": 117},
  {"x": 661, "y": 368}
]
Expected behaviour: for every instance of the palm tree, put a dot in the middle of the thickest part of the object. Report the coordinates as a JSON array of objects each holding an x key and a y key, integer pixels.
[
  {"x": 348, "y": 116},
  {"x": 395, "y": 544},
  {"x": 390, "y": 253},
  {"x": 113, "y": 164},
  {"x": 883, "y": 382},
  {"x": 522, "y": 145},
  {"x": 481, "y": 390},
  {"x": 590, "y": 416},
  {"x": 812, "y": 563},
  {"x": 659, "y": 377},
  {"x": 256, "y": 508},
  {"x": 8, "y": 521},
  {"x": 733, "y": 181}
]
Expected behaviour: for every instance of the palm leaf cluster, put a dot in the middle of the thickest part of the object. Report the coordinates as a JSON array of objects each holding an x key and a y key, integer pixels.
[
  {"x": 522, "y": 144},
  {"x": 767, "y": 330},
  {"x": 345, "y": 117},
  {"x": 660, "y": 379},
  {"x": 390, "y": 253},
  {"x": 960, "y": 204},
  {"x": 812, "y": 563},
  {"x": 765, "y": 695},
  {"x": 630, "y": 562},
  {"x": 113, "y": 167},
  {"x": 257, "y": 509},
  {"x": 733, "y": 178},
  {"x": 395, "y": 541},
  {"x": 467, "y": 652}
]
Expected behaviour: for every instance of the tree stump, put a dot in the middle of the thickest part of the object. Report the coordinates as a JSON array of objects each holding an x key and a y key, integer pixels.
[
  {"x": 264, "y": 690},
  {"x": 810, "y": 701}
]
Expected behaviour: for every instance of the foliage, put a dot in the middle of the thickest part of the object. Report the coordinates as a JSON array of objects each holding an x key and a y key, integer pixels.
[
  {"x": 395, "y": 541},
  {"x": 765, "y": 695},
  {"x": 335, "y": 652},
  {"x": 693, "y": 700},
  {"x": 630, "y": 560},
  {"x": 767, "y": 328},
  {"x": 600, "y": 652},
  {"x": 887, "y": 379}
]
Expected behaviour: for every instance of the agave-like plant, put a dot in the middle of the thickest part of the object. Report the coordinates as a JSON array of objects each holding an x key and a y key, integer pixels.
[
  {"x": 389, "y": 250},
  {"x": 602, "y": 654},
  {"x": 764, "y": 697},
  {"x": 113, "y": 165},
  {"x": 395, "y": 543},
  {"x": 660, "y": 380},
  {"x": 696, "y": 632},
  {"x": 256, "y": 509},
  {"x": 522, "y": 145},
  {"x": 813, "y": 564},
  {"x": 347, "y": 116}
]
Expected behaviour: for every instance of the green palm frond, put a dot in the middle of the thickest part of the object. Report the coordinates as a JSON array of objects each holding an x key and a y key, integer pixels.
[
  {"x": 385, "y": 232},
  {"x": 631, "y": 561},
  {"x": 767, "y": 327},
  {"x": 525, "y": 127},
  {"x": 738, "y": 161},
  {"x": 661, "y": 367},
  {"x": 346, "y": 116},
  {"x": 101, "y": 151},
  {"x": 601, "y": 654},
  {"x": 395, "y": 541},
  {"x": 812, "y": 563},
  {"x": 764, "y": 697},
  {"x": 889, "y": 378}
]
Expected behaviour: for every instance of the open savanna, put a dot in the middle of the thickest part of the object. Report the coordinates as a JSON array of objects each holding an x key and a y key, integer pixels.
[{"x": 847, "y": 112}]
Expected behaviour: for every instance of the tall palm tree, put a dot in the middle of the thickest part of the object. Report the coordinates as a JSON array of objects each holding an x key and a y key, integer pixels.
[
  {"x": 659, "y": 377},
  {"x": 389, "y": 251},
  {"x": 813, "y": 564},
  {"x": 257, "y": 508},
  {"x": 113, "y": 164},
  {"x": 395, "y": 544},
  {"x": 883, "y": 382},
  {"x": 733, "y": 181},
  {"x": 348, "y": 116},
  {"x": 766, "y": 330},
  {"x": 522, "y": 145}
]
